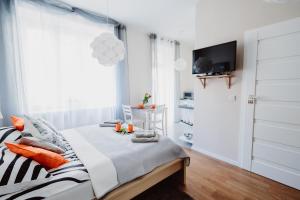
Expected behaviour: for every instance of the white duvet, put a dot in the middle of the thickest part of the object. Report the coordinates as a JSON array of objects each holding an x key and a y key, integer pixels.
[{"x": 101, "y": 169}]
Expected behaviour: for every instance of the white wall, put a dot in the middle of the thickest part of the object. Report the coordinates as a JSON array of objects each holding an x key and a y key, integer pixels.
[
  {"x": 139, "y": 61},
  {"x": 216, "y": 112},
  {"x": 186, "y": 77}
]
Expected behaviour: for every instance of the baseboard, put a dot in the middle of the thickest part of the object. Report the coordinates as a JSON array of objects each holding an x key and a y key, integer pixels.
[{"x": 216, "y": 156}]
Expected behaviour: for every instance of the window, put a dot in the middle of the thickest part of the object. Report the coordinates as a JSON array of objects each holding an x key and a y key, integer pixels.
[
  {"x": 163, "y": 83},
  {"x": 59, "y": 72}
]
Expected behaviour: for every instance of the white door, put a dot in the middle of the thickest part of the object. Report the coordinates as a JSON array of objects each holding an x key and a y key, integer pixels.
[{"x": 272, "y": 72}]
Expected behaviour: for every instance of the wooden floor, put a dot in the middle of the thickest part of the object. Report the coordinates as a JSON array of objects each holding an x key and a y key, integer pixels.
[{"x": 208, "y": 178}]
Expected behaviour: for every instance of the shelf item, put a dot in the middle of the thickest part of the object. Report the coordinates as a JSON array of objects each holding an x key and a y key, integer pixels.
[
  {"x": 184, "y": 139},
  {"x": 186, "y": 107},
  {"x": 227, "y": 78},
  {"x": 186, "y": 103},
  {"x": 188, "y": 95},
  {"x": 189, "y": 136},
  {"x": 187, "y": 123}
]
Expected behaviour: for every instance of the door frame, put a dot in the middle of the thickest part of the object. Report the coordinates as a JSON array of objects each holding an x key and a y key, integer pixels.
[
  {"x": 251, "y": 42},
  {"x": 248, "y": 88}
]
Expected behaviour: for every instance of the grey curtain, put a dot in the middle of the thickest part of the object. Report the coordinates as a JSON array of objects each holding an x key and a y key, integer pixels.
[
  {"x": 177, "y": 85},
  {"x": 153, "y": 47},
  {"x": 122, "y": 74},
  {"x": 11, "y": 100},
  {"x": 70, "y": 8}
]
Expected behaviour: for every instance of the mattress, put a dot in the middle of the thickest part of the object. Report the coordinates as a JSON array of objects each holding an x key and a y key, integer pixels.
[
  {"x": 79, "y": 192},
  {"x": 131, "y": 160}
]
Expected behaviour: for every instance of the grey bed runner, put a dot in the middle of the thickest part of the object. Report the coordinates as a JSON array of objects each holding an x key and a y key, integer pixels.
[{"x": 131, "y": 160}]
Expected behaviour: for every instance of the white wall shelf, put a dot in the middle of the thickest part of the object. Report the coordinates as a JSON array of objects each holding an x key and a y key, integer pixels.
[
  {"x": 185, "y": 139},
  {"x": 186, "y": 107}
]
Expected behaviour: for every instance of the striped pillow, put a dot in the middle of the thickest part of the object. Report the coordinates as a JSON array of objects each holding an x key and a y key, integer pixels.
[
  {"x": 18, "y": 173},
  {"x": 9, "y": 134}
]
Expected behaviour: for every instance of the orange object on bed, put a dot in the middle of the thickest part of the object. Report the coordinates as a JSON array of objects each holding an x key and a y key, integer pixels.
[
  {"x": 18, "y": 123},
  {"x": 46, "y": 158},
  {"x": 130, "y": 128},
  {"x": 118, "y": 126}
]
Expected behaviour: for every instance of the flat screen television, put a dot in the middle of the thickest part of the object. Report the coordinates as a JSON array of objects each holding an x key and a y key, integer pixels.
[{"x": 215, "y": 60}]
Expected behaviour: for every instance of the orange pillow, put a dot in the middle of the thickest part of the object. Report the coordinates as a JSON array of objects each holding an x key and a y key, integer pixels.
[
  {"x": 17, "y": 122},
  {"x": 46, "y": 158}
]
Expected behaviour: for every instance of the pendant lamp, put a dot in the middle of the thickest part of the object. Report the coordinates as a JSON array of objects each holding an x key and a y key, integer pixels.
[{"x": 107, "y": 48}]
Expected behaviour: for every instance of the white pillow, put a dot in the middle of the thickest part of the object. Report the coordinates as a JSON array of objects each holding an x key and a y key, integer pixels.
[
  {"x": 30, "y": 128},
  {"x": 36, "y": 142},
  {"x": 46, "y": 133},
  {"x": 19, "y": 173}
]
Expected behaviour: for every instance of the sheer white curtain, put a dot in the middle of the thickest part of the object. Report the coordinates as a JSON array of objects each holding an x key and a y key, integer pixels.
[
  {"x": 59, "y": 78},
  {"x": 163, "y": 75}
]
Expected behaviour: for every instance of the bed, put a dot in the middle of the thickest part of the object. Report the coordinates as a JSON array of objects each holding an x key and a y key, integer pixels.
[{"x": 106, "y": 165}]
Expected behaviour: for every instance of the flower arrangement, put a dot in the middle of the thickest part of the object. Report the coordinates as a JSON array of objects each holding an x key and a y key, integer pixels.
[{"x": 146, "y": 98}]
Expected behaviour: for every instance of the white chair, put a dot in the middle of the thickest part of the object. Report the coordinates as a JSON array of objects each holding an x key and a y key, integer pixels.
[
  {"x": 128, "y": 117},
  {"x": 158, "y": 119}
]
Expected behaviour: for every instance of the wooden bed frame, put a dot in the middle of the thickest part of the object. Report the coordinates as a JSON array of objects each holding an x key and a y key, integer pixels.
[{"x": 176, "y": 168}]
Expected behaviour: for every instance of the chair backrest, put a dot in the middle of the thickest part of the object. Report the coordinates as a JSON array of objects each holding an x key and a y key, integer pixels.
[
  {"x": 160, "y": 109},
  {"x": 127, "y": 113},
  {"x": 159, "y": 112}
]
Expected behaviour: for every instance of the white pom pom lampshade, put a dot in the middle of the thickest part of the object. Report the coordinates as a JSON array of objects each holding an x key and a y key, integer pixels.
[
  {"x": 180, "y": 64},
  {"x": 108, "y": 49}
]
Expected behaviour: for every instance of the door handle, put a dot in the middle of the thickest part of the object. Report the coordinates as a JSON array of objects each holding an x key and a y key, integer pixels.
[{"x": 251, "y": 99}]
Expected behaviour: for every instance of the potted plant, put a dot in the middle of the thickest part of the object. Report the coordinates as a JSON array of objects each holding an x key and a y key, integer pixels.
[{"x": 146, "y": 98}]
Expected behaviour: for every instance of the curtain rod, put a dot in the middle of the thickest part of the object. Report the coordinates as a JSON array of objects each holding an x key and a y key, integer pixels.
[
  {"x": 85, "y": 13},
  {"x": 154, "y": 36}
]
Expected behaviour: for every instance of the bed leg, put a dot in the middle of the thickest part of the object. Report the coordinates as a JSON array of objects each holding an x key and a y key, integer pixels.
[
  {"x": 182, "y": 175},
  {"x": 179, "y": 178}
]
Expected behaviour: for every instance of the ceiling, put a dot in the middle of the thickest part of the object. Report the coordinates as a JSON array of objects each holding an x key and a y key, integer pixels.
[{"x": 174, "y": 19}]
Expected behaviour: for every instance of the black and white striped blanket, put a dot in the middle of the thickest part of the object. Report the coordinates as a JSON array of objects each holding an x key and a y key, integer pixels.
[
  {"x": 9, "y": 134},
  {"x": 59, "y": 180}
]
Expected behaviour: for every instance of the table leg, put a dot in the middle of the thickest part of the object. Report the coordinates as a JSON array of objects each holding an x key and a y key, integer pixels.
[
  {"x": 166, "y": 120},
  {"x": 147, "y": 124}
]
